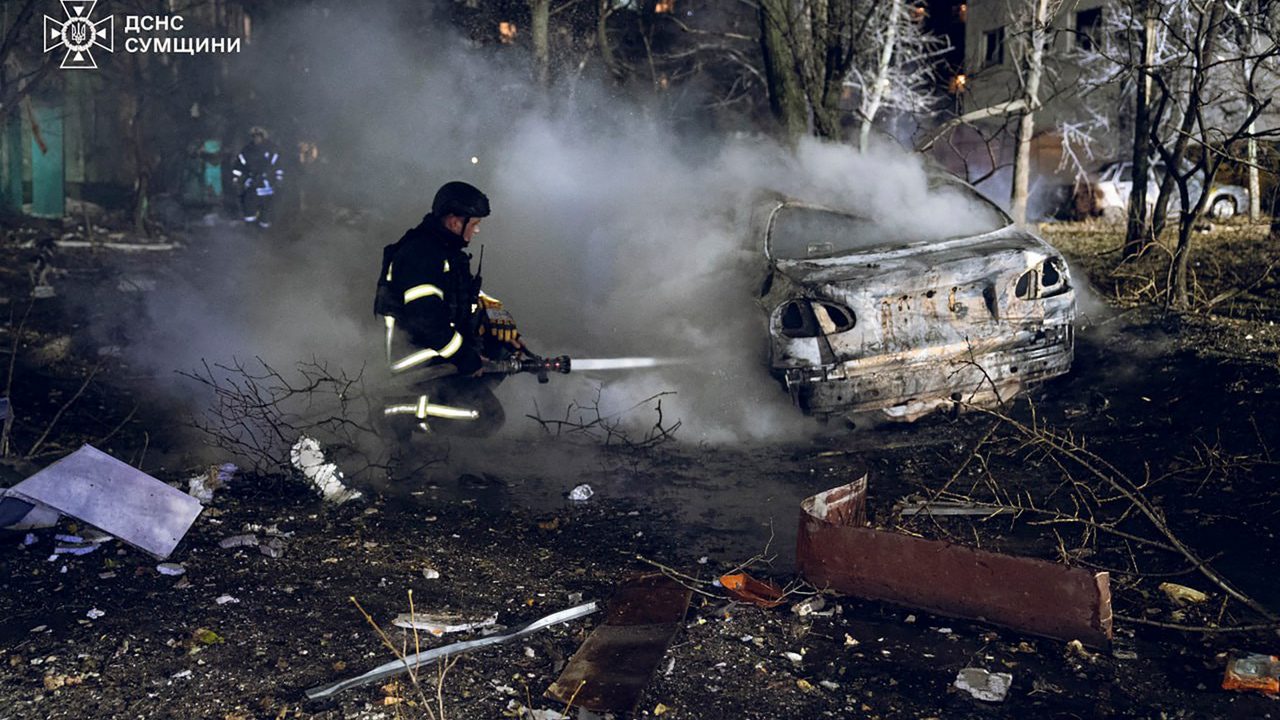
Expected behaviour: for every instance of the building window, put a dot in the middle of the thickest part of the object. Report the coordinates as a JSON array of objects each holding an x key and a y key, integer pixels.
[
  {"x": 993, "y": 47},
  {"x": 1089, "y": 28}
]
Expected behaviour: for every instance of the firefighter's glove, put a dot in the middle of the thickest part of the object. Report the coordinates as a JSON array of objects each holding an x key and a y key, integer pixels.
[{"x": 499, "y": 325}]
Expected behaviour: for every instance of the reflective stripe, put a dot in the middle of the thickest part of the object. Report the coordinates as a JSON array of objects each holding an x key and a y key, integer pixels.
[
  {"x": 426, "y": 354},
  {"x": 274, "y": 156},
  {"x": 421, "y": 291},
  {"x": 237, "y": 173},
  {"x": 389, "y": 266},
  {"x": 486, "y": 296},
  {"x": 423, "y": 411},
  {"x": 391, "y": 329},
  {"x": 242, "y": 160},
  {"x": 453, "y": 413}
]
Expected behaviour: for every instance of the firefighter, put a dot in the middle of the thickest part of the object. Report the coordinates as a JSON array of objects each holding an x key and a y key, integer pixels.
[
  {"x": 257, "y": 175},
  {"x": 441, "y": 328}
]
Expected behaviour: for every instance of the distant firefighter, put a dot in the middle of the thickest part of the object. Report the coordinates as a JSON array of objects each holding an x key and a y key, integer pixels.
[{"x": 258, "y": 175}]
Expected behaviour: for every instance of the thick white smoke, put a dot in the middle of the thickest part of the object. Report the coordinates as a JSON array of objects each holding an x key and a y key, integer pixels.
[{"x": 612, "y": 234}]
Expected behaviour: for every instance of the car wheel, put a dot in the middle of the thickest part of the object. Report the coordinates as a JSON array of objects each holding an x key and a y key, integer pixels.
[{"x": 1223, "y": 207}]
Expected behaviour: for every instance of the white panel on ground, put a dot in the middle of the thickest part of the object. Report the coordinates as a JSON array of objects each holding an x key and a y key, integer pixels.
[{"x": 94, "y": 487}]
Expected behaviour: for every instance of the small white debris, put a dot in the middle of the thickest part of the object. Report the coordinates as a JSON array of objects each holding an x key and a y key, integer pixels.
[
  {"x": 983, "y": 685},
  {"x": 174, "y": 569},
  {"x": 796, "y": 658},
  {"x": 307, "y": 457},
  {"x": 238, "y": 541},
  {"x": 224, "y": 599},
  {"x": 703, "y": 560},
  {"x": 29, "y": 540},
  {"x": 39, "y": 628},
  {"x": 944, "y": 631},
  {"x": 440, "y": 623},
  {"x": 830, "y": 685},
  {"x": 94, "y": 614},
  {"x": 181, "y": 674},
  {"x": 582, "y": 493},
  {"x": 430, "y": 573},
  {"x": 809, "y": 606},
  {"x": 910, "y": 619},
  {"x": 529, "y": 653}
]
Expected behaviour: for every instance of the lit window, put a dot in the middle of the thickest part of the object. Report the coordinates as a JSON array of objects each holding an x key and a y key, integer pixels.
[
  {"x": 665, "y": 6},
  {"x": 507, "y": 32},
  {"x": 958, "y": 84}
]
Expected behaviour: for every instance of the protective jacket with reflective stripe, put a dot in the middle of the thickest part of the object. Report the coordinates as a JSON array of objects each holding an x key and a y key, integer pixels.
[
  {"x": 258, "y": 167},
  {"x": 431, "y": 276}
]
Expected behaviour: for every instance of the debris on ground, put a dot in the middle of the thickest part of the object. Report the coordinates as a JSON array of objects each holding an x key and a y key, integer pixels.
[
  {"x": 748, "y": 589},
  {"x": 171, "y": 569},
  {"x": 94, "y": 487},
  {"x": 943, "y": 508},
  {"x": 272, "y": 548},
  {"x": 395, "y": 667},
  {"x": 1253, "y": 672},
  {"x": 809, "y": 606},
  {"x": 984, "y": 685},
  {"x": 610, "y": 670},
  {"x": 440, "y": 623},
  {"x": 215, "y": 477},
  {"x": 581, "y": 493},
  {"x": 1181, "y": 594},
  {"x": 236, "y": 541},
  {"x": 835, "y": 550},
  {"x": 308, "y": 457}
]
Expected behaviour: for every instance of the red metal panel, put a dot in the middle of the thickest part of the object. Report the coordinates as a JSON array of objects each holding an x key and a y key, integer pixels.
[{"x": 1026, "y": 594}]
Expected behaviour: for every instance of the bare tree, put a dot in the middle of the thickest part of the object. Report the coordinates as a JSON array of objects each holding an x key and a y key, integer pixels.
[
  {"x": 1033, "y": 34},
  {"x": 809, "y": 48},
  {"x": 899, "y": 73}
]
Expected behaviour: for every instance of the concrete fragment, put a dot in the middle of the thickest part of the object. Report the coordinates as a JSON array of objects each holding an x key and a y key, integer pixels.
[{"x": 983, "y": 685}]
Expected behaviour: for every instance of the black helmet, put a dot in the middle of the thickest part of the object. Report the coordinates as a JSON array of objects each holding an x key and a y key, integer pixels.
[{"x": 459, "y": 198}]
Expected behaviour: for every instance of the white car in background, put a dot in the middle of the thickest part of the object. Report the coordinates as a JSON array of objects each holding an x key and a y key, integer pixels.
[{"x": 1107, "y": 194}]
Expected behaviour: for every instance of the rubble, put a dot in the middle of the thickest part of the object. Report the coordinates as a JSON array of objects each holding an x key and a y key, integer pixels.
[
  {"x": 1253, "y": 672},
  {"x": 984, "y": 685},
  {"x": 1181, "y": 594},
  {"x": 215, "y": 477},
  {"x": 238, "y": 541},
  {"x": 581, "y": 493},
  {"x": 308, "y": 457},
  {"x": 440, "y": 623},
  {"x": 94, "y": 487},
  {"x": 398, "y": 666},
  {"x": 748, "y": 589},
  {"x": 610, "y": 670},
  {"x": 835, "y": 550}
]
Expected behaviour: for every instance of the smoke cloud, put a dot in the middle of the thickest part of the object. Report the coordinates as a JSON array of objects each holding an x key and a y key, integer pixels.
[{"x": 612, "y": 234}]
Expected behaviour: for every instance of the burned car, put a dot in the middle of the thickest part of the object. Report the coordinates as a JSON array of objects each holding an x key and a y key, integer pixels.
[{"x": 867, "y": 323}]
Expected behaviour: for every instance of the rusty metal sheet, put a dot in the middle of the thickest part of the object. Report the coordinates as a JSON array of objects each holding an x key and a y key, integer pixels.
[
  {"x": 834, "y": 550},
  {"x": 611, "y": 669}
]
